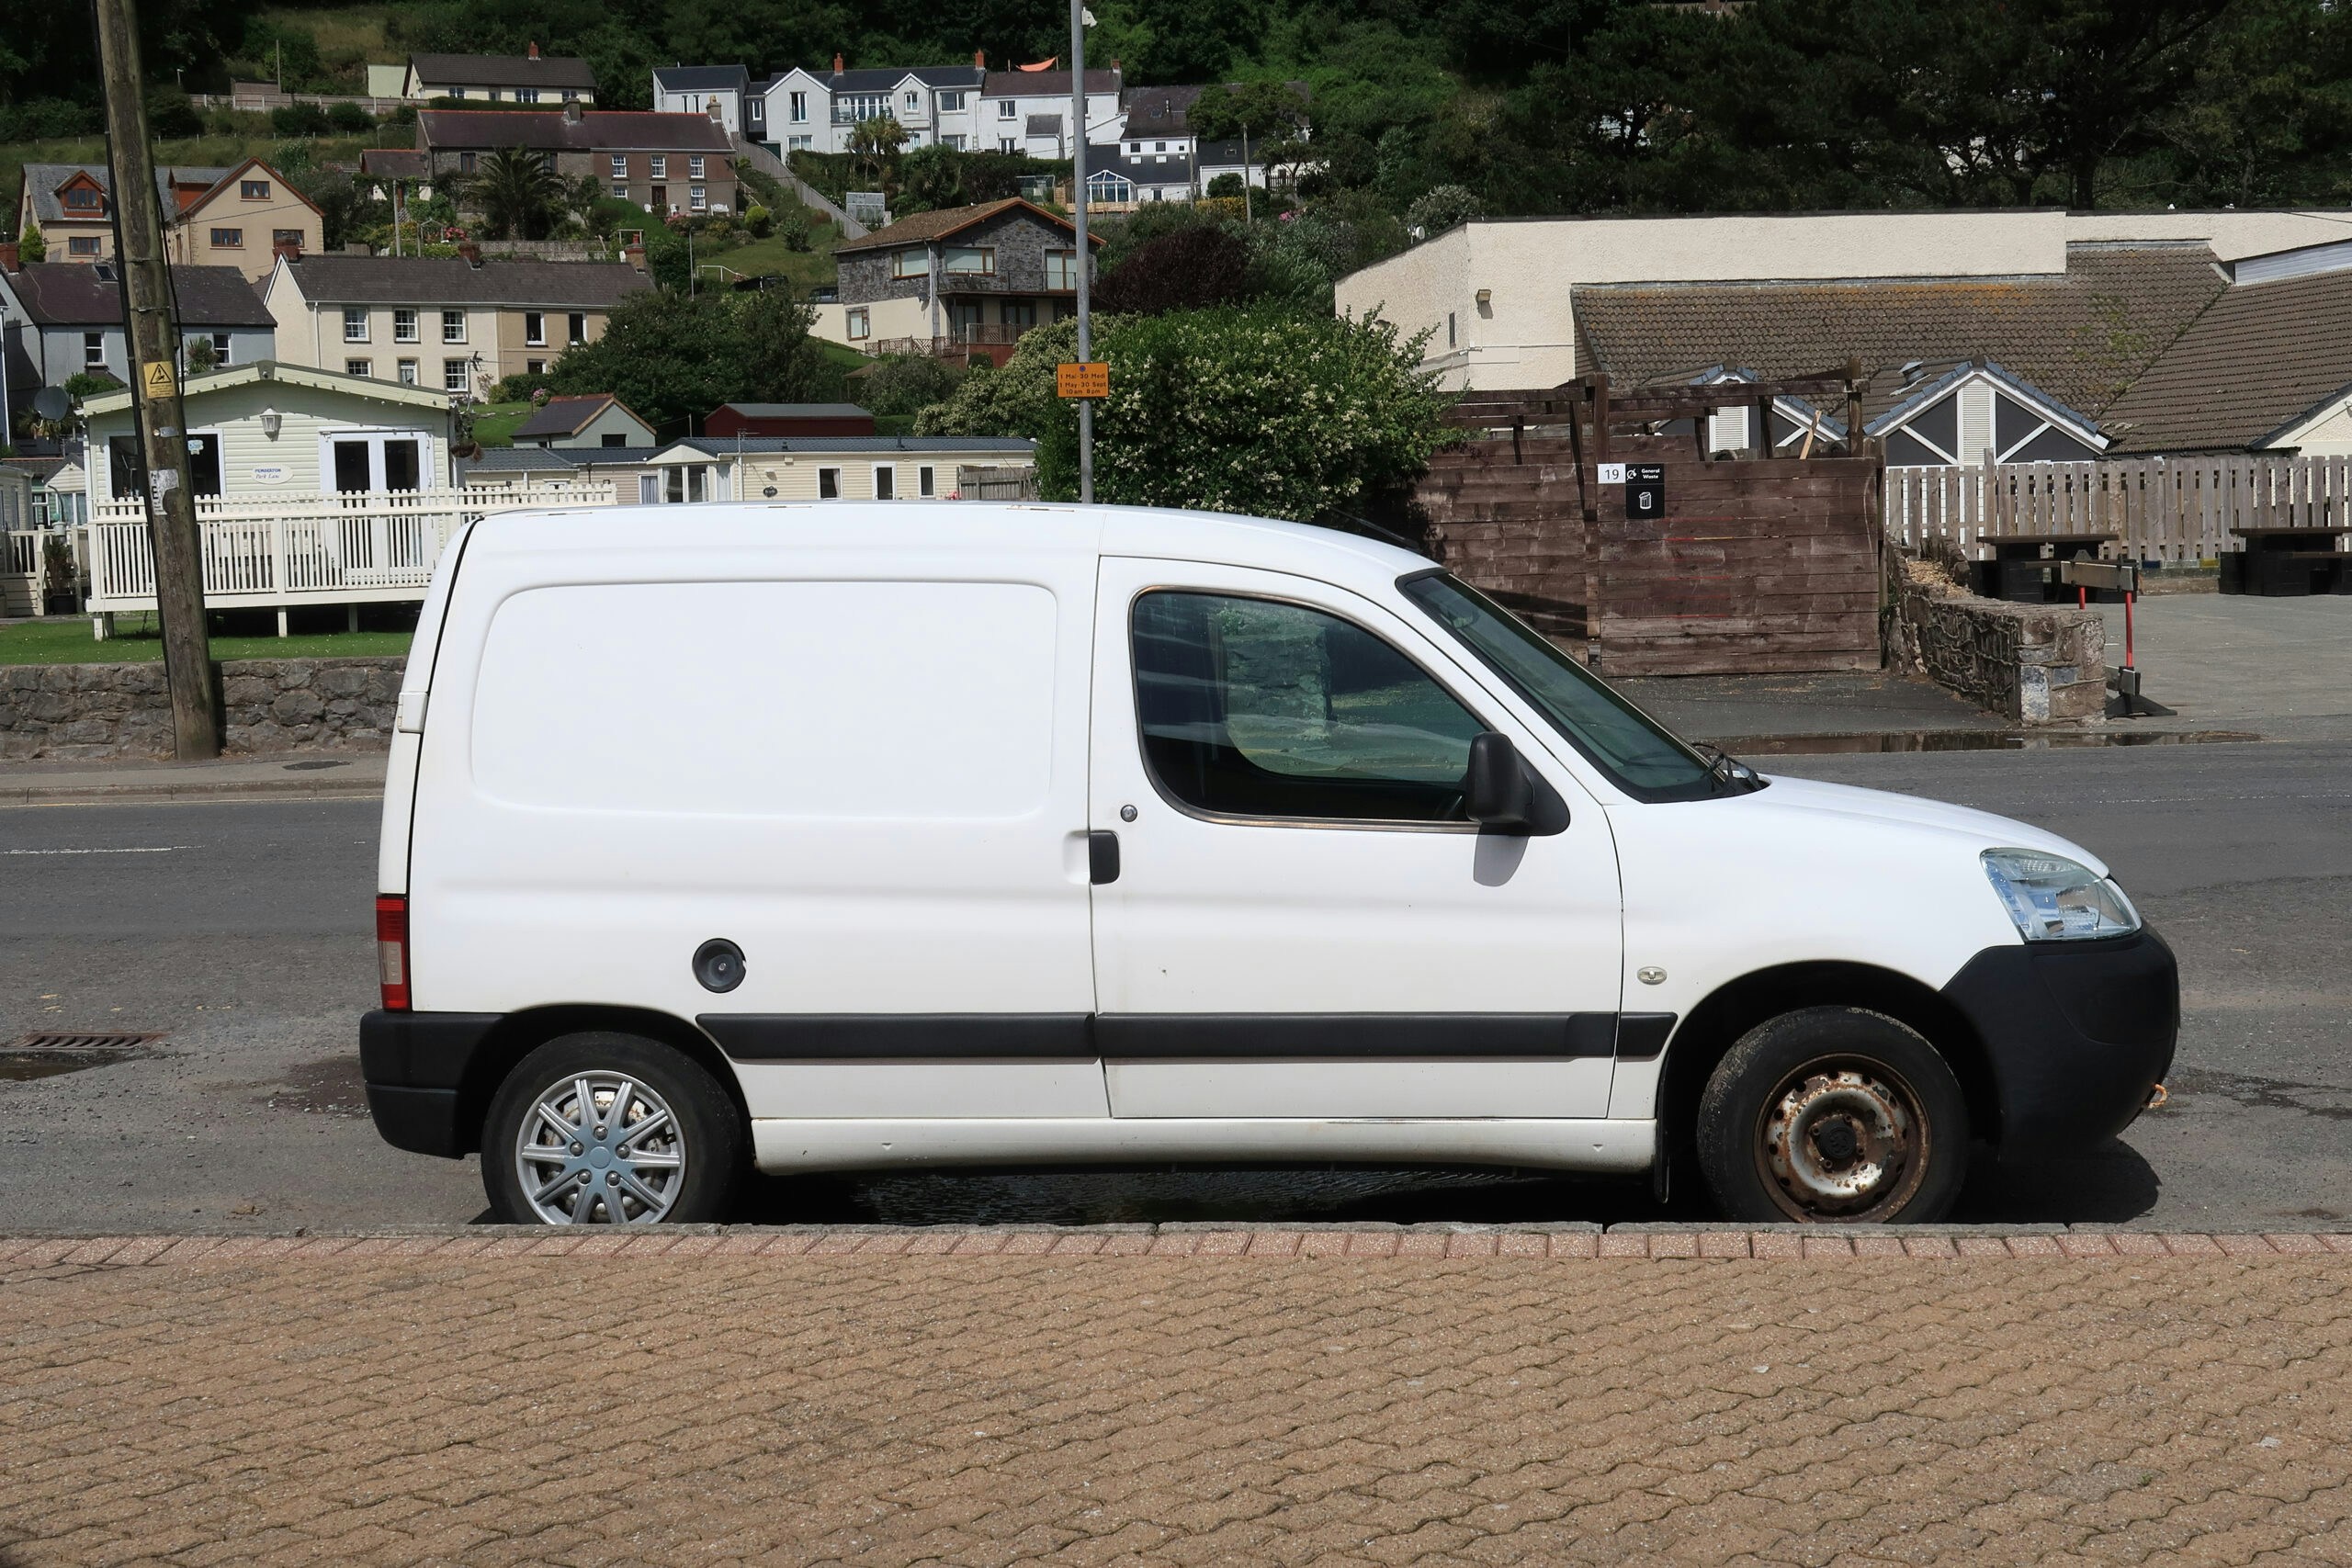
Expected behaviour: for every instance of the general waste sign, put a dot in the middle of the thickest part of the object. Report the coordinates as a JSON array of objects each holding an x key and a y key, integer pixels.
[
  {"x": 1646, "y": 490},
  {"x": 1091, "y": 380}
]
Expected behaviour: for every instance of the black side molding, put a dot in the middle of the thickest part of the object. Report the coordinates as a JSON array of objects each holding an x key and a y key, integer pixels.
[
  {"x": 778, "y": 1037},
  {"x": 1641, "y": 1036}
]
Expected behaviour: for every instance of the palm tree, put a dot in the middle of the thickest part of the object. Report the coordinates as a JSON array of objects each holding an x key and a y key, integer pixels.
[{"x": 518, "y": 194}]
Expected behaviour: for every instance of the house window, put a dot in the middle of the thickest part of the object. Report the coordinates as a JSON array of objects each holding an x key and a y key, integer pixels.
[
  {"x": 465, "y": 162},
  {"x": 82, "y": 245},
  {"x": 861, "y": 325},
  {"x": 228, "y": 239},
  {"x": 453, "y": 327},
  {"x": 1449, "y": 329},
  {"x": 220, "y": 348},
  {"x": 683, "y": 482},
  {"x": 910, "y": 264},
  {"x": 94, "y": 351},
  {"x": 1061, "y": 270},
  {"x": 408, "y": 372},
  {"x": 535, "y": 366},
  {"x": 693, "y": 168},
  {"x": 852, "y": 108},
  {"x": 577, "y": 331},
  {"x": 829, "y": 484},
  {"x": 572, "y": 94},
  {"x": 282, "y": 237},
  {"x": 526, "y": 95},
  {"x": 453, "y": 375},
  {"x": 359, "y": 367},
  {"x": 253, "y": 190},
  {"x": 1006, "y": 144},
  {"x": 535, "y": 329},
  {"x": 912, "y": 100},
  {"x": 456, "y": 94},
  {"x": 621, "y": 165},
  {"x": 649, "y": 489},
  {"x": 951, "y": 103},
  {"x": 620, "y": 193},
  {"x": 956, "y": 141},
  {"x": 404, "y": 326},
  {"x": 355, "y": 323},
  {"x": 969, "y": 259},
  {"x": 1135, "y": 146},
  {"x": 697, "y": 197},
  {"x": 926, "y": 481},
  {"x": 886, "y": 481},
  {"x": 1159, "y": 146},
  {"x": 1006, "y": 108},
  {"x": 660, "y": 167},
  {"x": 82, "y": 199},
  {"x": 1020, "y": 314},
  {"x": 801, "y": 145},
  {"x": 1108, "y": 186},
  {"x": 800, "y": 108},
  {"x": 614, "y": 438}
]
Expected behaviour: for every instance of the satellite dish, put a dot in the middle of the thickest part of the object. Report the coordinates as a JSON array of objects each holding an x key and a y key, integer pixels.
[{"x": 53, "y": 404}]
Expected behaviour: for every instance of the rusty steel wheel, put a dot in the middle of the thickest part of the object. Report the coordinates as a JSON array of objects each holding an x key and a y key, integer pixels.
[{"x": 1833, "y": 1115}]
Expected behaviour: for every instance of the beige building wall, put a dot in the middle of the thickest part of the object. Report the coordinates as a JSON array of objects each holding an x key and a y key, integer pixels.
[
  {"x": 2232, "y": 235},
  {"x": 893, "y": 318},
  {"x": 394, "y": 344},
  {"x": 256, "y": 222},
  {"x": 1523, "y": 333},
  {"x": 2327, "y": 434}
]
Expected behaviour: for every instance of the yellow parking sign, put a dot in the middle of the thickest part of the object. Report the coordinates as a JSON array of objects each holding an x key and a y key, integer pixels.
[{"x": 1091, "y": 380}]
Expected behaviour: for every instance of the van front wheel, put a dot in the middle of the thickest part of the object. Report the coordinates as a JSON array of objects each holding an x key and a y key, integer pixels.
[
  {"x": 1833, "y": 1115},
  {"x": 609, "y": 1129}
]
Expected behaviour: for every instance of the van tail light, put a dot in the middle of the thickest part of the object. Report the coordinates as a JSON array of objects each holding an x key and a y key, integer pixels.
[{"x": 392, "y": 949}]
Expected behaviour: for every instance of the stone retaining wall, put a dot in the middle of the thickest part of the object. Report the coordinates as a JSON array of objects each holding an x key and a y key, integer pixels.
[
  {"x": 94, "y": 712},
  {"x": 2031, "y": 663}
]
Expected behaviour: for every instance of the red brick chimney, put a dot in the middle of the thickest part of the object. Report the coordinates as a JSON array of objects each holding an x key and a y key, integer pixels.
[
  {"x": 535, "y": 50},
  {"x": 980, "y": 59},
  {"x": 9, "y": 256},
  {"x": 472, "y": 253},
  {"x": 837, "y": 63}
]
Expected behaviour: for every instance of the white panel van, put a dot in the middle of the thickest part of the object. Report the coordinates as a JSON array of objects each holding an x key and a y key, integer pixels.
[{"x": 806, "y": 838}]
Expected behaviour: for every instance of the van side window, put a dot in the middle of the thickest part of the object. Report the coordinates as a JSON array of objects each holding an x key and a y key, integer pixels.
[{"x": 1253, "y": 707}]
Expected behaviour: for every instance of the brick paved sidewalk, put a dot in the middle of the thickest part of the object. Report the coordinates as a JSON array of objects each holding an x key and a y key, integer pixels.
[{"x": 1086, "y": 1397}]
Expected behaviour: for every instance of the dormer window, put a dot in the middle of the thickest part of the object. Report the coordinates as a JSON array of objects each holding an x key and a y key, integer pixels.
[{"x": 83, "y": 198}]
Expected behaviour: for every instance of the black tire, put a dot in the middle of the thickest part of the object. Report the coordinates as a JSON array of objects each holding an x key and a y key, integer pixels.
[
  {"x": 1833, "y": 1116},
  {"x": 703, "y": 1116}
]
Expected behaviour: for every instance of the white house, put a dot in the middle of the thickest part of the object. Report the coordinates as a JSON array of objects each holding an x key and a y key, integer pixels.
[
  {"x": 1028, "y": 111},
  {"x": 723, "y": 92},
  {"x": 817, "y": 110},
  {"x": 755, "y": 467}
]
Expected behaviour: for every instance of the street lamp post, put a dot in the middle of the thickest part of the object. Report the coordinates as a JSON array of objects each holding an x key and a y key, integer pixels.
[{"x": 1077, "y": 20}]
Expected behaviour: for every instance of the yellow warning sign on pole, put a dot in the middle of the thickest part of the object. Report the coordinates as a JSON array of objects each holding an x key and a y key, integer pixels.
[
  {"x": 1091, "y": 380},
  {"x": 156, "y": 380}
]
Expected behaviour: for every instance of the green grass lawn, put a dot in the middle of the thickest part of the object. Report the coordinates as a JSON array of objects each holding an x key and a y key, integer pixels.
[
  {"x": 136, "y": 638},
  {"x": 760, "y": 258},
  {"x": 495, "y": 424}
]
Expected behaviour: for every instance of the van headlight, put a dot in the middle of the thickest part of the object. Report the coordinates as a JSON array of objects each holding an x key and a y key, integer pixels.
[{"x": 2052, "y": 898}]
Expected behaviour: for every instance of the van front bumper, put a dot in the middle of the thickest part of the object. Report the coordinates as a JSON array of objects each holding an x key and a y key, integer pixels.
[
  {"x": 2078, "y": 1033},
  {"x": 415, "y": 1065}
]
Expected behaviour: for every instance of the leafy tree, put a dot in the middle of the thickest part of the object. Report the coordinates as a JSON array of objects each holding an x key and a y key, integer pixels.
[
  {"x": 1267, "y": 111},
  {"x": 1441, "y": 207},
  {"x": 1017, "y": 399},
  {"x": 350, "y": 119},
  {"x": 930, "y": 178},
  {"x": 671, "y": 357},
  {"x": 874, "y": 145},
  {"x": 172, "y": 116},
  {"x": 518, "y": 194},
  {"x": 1228, "y": 185},
  {"x": 200, "y": 355},
  {"x": 299, "y": 120},
  {"x": 906, "y": 383},
  {"x": 30, "y": 246},
  {"x": 1190, "y": 269}
]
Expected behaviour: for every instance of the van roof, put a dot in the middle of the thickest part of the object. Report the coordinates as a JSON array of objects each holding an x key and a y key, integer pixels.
[{"x": 1020, "y": 527}]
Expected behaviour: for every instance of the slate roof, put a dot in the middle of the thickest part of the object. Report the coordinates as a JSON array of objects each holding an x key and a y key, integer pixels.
[
  {"x": 1159, "y": 111},
  {"x": 570, "y": 416},
  {"x": 66, "y": 294},
  {"x": 1044, "y": 125},
  {"x": 2081, "y": 337},
  {"x": 1045, "y": 84},
  {"x": 2261, "y": 359},
  {"x": 798, "y": 410},
  {"x": 597, "y": 131},
  {"x": 394, "y": 163},
  {"x": 701, "y": 78},
  {"x": 880, "y": 78},
  {"x": 435, "y": 280},
  {"x": 41, "y": 181},
  {"x": 502, "y": 71},
  {"x": 921, "y": 227}
]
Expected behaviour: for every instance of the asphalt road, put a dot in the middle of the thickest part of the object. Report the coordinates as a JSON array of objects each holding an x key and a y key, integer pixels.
[{"x": 242, "y": 932}]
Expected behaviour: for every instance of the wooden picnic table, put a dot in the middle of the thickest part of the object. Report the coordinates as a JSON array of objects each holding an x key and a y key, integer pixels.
[
  {"x": 2288, "y": 562},
  {"x": 2018, "y": 571}
]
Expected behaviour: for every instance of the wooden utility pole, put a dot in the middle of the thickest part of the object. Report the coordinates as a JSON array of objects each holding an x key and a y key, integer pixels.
[{"x": 152, "y": 338}]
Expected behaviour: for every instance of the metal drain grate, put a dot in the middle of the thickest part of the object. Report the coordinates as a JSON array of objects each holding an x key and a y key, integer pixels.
[{"x": 81, "y": 1040}]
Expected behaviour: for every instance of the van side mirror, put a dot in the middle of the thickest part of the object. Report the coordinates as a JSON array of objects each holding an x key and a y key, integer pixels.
[{"x": 1501, "y": 792}]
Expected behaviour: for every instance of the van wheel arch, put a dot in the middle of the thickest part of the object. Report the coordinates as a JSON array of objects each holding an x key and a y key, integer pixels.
[
  {"x": 1703, "y": 1039},
  {"x": 518, "y": 1035}
]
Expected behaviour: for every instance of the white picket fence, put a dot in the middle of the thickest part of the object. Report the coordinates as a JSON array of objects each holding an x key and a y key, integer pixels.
[
  {"x": 2176, "y": 509},
  {"x": 362, "y": 548}
]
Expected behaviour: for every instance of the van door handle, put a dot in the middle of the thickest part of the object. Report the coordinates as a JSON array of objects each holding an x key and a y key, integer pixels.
[{"x": 1101, "y": 856}]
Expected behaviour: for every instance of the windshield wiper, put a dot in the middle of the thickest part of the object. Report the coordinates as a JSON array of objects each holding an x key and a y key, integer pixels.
[{"x": 1726, "y": 769}]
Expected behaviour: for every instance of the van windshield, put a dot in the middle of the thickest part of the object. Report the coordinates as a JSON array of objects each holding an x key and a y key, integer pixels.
[{"x": 1640, "y": 755}]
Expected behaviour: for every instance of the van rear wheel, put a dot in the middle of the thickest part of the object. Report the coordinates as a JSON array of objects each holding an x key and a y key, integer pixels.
[
  {"x": 1833, "y": 1115},
  {"x": 609, "y": 1129}
]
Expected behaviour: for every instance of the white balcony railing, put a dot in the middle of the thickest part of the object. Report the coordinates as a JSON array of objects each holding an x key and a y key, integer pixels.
[{"x": 361, "y": 548}]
